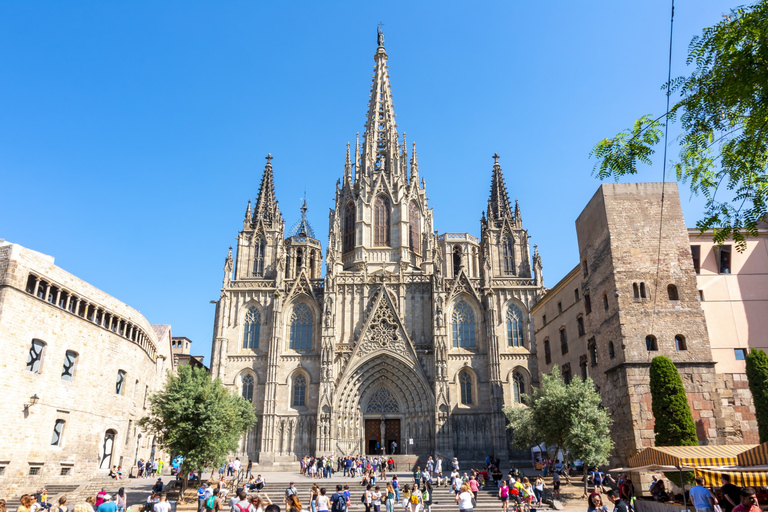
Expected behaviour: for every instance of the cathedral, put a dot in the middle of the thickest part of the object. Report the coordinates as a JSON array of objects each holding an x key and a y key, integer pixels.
[{"x": 409, "y": 336}]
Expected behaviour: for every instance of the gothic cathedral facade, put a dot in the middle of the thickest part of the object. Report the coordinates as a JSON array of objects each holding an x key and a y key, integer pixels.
[{"x": 410, "y": 336}]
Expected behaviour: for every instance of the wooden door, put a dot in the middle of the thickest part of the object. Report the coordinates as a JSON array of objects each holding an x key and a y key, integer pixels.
[
  {"x": 392, "y": 433},
  {"x": 372, "y": 435}
]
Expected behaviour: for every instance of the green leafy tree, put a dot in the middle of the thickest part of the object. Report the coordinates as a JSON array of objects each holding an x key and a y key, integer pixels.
[
  {"x": 757, "y": 373},
  {"x": 723, "y": 115},
  {"x": 198, "y": 418},
  {"x": 673, "y": 423},
  {"x": 565, "y": 417}
]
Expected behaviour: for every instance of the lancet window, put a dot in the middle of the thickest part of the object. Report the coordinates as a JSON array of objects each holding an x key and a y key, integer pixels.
[
  {"x": 259, "y": 248},
  {"x": 508, "y": 255},
  {"x": 301, "y": 328},
  {"x": 348, "y": 243},
  {"x": 381, "y": 222},
  {"x": 514, "y": 326},
  {"x": 414, "y": 233},
  {"x": 251, "y": 327},
  {"x": 463, "y": 325}
]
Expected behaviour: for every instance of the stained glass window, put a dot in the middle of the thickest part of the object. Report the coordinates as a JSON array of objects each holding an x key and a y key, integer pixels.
[
  {"x": 508, "y": 255},
  {"x": 463, "y": 325},
  {"x": 381, "y": 222},
  {"x": 248, "y": 384},
  {"x": 514, "y": 326},
  {"x": 465, "y": 383},
  {"x": 260, "y": 247},
  {"x": 518, "y": 387},
  {"x": 348, "y": 243},
  {"x": 251, "y": 326},
  {"x": 301, "y": 328},
  {"x": 299, "y": 390}
]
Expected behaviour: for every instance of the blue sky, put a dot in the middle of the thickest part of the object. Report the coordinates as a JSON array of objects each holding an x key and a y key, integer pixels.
[{"x": 132, "y": 134}]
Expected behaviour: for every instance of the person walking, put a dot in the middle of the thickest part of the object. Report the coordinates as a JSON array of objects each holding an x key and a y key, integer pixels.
[
  {"x": 121, "y": 500},
  {"x": 339, "y": 500},
  {"x": 314, "y": 492},
  {"x": 748, "y": 501},
  {"x": 464, "y": 499},
  {"x": 702, "y": 498},
  {"x": 389, "y": 501},
  {"x": 426, "y": 497},
  {"x": 538, "y": 489},
  {"x": 322, "y": 503},
  {"x": 504, "y": 495}
]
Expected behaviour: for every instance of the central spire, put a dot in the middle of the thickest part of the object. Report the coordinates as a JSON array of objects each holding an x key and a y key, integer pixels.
[
  {"x": 498, "y": 204},
  {"x": 380, "y": 152}
]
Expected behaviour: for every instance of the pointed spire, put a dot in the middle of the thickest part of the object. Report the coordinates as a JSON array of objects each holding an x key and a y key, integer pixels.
[
  {"x": 347, "y": 169},
  {"x": 414, "y": 166},
  {"x": 518, "y": 216},
  {"x": 380, "y": 152},
  {"x": 357, "y": 156},
  {"x": 498, "y": 203},
  {"x": 266, "y": 203},
  {"x": 303, "y": 228},
  {"x": 404, "y": 157},
  {"x": 248, "y": 212}
]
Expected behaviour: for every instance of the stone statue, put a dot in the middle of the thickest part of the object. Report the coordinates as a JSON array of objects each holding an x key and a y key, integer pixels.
[
  {"x": 380, "y": 36},
  {"x": 439, "y": 311}
]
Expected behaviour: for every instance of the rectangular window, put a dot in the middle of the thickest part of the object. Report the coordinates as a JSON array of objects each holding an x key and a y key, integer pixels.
[
  {"x": 696, "y": 253},
  {"x": 120, "y": 383},
  {"x": 35, "y": 357},
  {"x": 58, "y": 430},
  {"x": 701, "y": 295},
  {"x": 585, "y": 267},
  {"x": 725, "y": 259},
  {"x": 68, "y": 370},
  {"x": 34, "y": 470},
  {"x": 567, "y": 373},
  {"x": 583, "y": 366},
  {"x": 2, "y": 470},
  {"x": 65, "y": 471},
  {"x": 592, "y": 345},
  {"x": 559, "y": 308},
  {"x": 605, "y": 301},
  {"x": 563, "y": 342},
  {"x": 587, "y": 304},
  {"x": 580, "y": 325},
  {"x": 543, "y": 320},
  {"x": 576, "y": 295},
  {"x": 741, "y": 354},
  {"x": 547, "y": 352}
]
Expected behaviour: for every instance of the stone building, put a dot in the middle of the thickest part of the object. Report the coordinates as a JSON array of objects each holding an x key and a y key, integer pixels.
[
  {"x": 633, "y": 296},
  {"x": 180, "y": 347},
  {"x": 77, "y": 368},
  {"x": 409, "y": 335}
]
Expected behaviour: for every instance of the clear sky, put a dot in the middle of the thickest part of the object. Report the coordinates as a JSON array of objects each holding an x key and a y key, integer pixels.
[{"x": 132, "y": 134}]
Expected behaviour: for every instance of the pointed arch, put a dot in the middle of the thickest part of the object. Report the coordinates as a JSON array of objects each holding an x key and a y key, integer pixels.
[
  {"x": 466, "y": 387},
  {"x": 301, "y": 327},
  {"x": 299, "y": 389},
  {"x": 414, "y": 229},
  {"x": 247, "y": 385},
  {"x": 463, "y": 325},
  {"x": 259, "y": 249},
  {"x": 518, "y": 387},
  {"x": 457, "y": 254},
  {"x": 514, "y": 326},
  {"x": 251, "y": 328},
  {"x": 350, "y": 215},
  {"x": 508, "y": 255},
  {"x": 381, "y": 214}
]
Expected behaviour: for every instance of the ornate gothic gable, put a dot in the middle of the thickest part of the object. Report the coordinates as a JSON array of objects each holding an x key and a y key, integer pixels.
[
  {"x": 462, "y": 285},
  {"x": 382, "y": 402},
  {"x": 383, "y": 331},
  {"x": 302, "y": 285}
]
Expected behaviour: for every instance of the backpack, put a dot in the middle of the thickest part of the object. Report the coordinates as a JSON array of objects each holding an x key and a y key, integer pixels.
[
  {"x": 425, "y": 496},
  {"x": 414, "y": 498},
  {"x": 362, "y": 498},
  {"x": 210, "y": 502}
]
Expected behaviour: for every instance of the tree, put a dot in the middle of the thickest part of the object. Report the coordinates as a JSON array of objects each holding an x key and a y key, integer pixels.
[
  {"x": 673, "y": 423},
  {"x": 723, "y": 115},
  {"x": 565, "y": 417},
  {"x": 757, "y": 374},
  {"x": 198, "y": 418}
]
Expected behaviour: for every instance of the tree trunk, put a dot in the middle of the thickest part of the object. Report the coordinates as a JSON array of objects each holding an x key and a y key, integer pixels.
[{"x": 585, "y": 478}]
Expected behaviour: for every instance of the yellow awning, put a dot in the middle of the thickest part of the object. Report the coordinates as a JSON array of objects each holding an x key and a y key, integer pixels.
[
  {"x": 757, "y": 456},
  {"x": 741, "y": 476},
  {"x": 678, "y": 456}
]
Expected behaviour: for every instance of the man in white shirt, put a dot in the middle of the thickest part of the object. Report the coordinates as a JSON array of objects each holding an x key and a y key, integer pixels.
[
  {"x": 236, "y": 466},
  {"x": 162, "y": 505}
]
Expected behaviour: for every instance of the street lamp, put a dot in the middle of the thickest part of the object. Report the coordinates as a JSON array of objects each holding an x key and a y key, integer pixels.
[{"x": 32, "y": 401}]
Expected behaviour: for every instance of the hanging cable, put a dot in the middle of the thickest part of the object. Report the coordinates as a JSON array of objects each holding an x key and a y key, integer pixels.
[{"x": 663, "y": 168}]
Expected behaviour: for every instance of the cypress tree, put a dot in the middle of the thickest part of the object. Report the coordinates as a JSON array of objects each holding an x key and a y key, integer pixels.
[
  {"x": 673, "y": 421},
  {"x": 757, "y": 374}
]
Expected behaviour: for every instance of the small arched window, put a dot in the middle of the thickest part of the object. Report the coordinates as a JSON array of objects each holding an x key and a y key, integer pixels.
[
  {"x": 35, "y": 356},
  {"x": 120, "y": 382},
  {"x": 68, "y": 370},
  {"x": 650, "y": 343},
  {"x": 514, "y": 326},
  {"x": 518, "y": 387},
  {"x": 301, "y": 328},
  {"x": 465, "y": 385},
  {"x": 611, "y": 350},
  {"x": 299, "y": 390},
  {"x": 259, "y": 248},
  {"x": 456, "y": 260},
  {"x": 106, "y": 449},
  {"x": 508, "y": 255},
  {"x": 680, "y": 342},
  {"x": 672, "y": 292},
  {"x": 251, "y": 327},
  {"x": 635, "y": 291},
  {"x": 463, "y": 325},
  {"x": 58, "y": 431},
  {"x": 248, "y": 384},
  {"x": 414, "y": 232},
  {"x": 348, "y": 242},
  {"x": 381, "y": 222},
  {"x": 299, "y": 259}
]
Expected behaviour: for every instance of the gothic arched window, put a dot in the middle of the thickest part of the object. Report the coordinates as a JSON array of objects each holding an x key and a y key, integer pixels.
[
  {"x": 248, "y": 384},
  {"x": 348, "y": 242},
  {"x": 301, "y": 328},
  {"x": 514, "y": 326},
  {"x": 414, "y": 233},
  {"x": 508, "y": 255},
  {"x": 518, "y": 387},
  {"x": 259, "y": 247},
  {"x": 456, "y": 260},
  {"x": 299, "y": 257},
  {"x": 381, "y": 222},
  {"x": 465, "y": 385},
  {"x": 463, "y": 325},
  {"x": 299, "y": 390},
  {"x": 251, "y": 326}
]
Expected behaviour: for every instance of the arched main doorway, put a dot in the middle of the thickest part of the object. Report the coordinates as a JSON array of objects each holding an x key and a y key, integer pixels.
[{"x": 384, "y": 398}]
